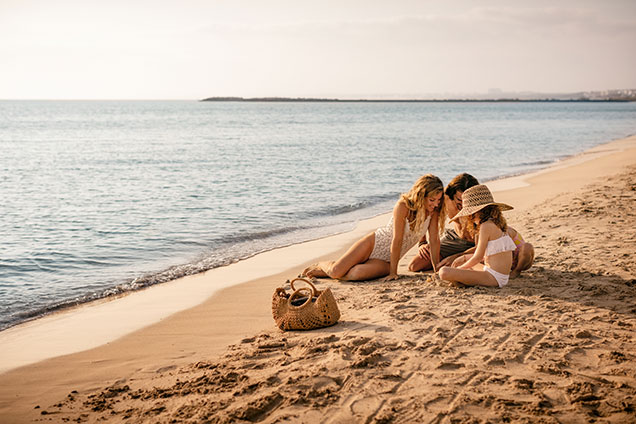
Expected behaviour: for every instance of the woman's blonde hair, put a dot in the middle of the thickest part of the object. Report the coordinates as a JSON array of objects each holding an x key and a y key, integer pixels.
[{"x": 426, "y": 186}]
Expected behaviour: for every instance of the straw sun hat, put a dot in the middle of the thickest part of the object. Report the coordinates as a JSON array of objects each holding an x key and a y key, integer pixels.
[{"x": 475, "y": 199}]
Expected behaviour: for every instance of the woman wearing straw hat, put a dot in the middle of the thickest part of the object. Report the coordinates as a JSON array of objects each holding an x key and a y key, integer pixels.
[{"x": 493, "y": 244}]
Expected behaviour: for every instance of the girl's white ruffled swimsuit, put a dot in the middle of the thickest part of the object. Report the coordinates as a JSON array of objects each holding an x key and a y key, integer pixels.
[
  {"x": 502, "y": 244},
  {"x": 384, "y": 235}
]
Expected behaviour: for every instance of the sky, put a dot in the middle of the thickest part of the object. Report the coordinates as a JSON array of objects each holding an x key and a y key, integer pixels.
[{"x": 192, "y": 49}]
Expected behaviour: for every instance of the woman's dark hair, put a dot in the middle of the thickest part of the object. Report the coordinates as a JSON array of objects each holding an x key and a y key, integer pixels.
[{"x": 461, "y": 182}]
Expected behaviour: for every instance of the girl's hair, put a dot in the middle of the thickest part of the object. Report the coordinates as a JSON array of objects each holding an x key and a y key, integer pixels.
[
  {"x": 415, "y": 199},
  {"x": 490, "y": 212}
]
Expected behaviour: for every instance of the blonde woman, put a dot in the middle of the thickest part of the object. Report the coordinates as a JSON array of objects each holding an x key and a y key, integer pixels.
[{"x": 376, "y": 255}]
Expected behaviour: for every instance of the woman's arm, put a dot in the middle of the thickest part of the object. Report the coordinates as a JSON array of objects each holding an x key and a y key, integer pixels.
[
  {"x": 480, "y": 249},
  {"x": 433, "y": 235},
  {"x": 399, "y": 219}
]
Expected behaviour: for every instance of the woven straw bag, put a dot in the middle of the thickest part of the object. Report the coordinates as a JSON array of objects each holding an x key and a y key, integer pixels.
[{"x": 306, "y": 308}]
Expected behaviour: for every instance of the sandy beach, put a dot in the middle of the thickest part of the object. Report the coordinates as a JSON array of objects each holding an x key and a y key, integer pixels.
[{"x": 555, "y": 345}]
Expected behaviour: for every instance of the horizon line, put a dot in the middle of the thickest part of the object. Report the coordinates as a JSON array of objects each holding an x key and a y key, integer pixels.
[{"x": 336, "y": 100}]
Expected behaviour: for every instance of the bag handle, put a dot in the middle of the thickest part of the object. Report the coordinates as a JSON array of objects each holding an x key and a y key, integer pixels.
[
  {"x": 297, "y": 293},
  {"x": 313, "y": 288}
]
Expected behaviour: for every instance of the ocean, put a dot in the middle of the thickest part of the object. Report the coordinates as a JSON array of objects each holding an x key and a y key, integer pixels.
[{"x": 104, "y": 197}]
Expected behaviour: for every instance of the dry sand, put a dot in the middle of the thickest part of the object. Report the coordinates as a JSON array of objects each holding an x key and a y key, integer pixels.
[{"x": 555, "y": 345}]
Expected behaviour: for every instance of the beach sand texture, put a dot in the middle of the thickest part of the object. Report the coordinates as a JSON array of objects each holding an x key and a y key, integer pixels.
[{"x": 555, "y": 345}]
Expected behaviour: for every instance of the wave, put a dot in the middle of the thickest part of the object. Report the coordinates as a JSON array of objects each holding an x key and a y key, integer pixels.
[
  {"x": 536, "y": 163},
  {"x": 351, "y": 207},
  {"x": 220, "y": 251},
  {"x": 236, "y": 247}
]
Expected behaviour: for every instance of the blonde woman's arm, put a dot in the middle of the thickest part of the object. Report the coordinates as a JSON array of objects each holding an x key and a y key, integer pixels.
[{"x": 433, "y": 236}]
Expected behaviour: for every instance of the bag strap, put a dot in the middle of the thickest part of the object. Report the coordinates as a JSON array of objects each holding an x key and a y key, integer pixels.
[
  {"x": 297, "y": 293},
  {"x": 313, "y": 288}
]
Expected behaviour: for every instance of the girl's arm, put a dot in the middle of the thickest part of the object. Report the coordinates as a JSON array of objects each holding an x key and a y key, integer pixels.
[
  {"x": 433, "y": 235},
  {"x": 450, "y": 259},
  {"x": 480, "y": 249},
  {"x": 399, "y": 219}
]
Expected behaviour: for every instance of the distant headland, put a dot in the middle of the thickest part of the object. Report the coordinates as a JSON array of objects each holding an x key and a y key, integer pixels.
[{"x": 626, "y": 95}]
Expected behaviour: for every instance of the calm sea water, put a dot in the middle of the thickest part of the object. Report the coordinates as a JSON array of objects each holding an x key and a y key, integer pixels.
[{"x": 104, "y": 197}]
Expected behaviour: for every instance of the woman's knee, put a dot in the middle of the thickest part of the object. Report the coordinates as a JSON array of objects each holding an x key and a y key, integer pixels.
[
  {"x": 418, "y": 264},
  {"x": 444, "y": 272},
  {"x": 526, "y": 255},
  {"x": 528, "y": 249},
  {"x": 526, "y": 252},
  {"x": 337, "y": 270}
]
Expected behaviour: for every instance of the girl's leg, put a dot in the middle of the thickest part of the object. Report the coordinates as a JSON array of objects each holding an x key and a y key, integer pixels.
[
  {"x": 470, "y": 277},
  {"x": 370, "y": 270},
  {"x": 357, "y": 254}
]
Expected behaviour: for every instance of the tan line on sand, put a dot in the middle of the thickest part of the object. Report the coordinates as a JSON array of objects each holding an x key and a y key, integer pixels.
[{"x": 177, "y": 332}]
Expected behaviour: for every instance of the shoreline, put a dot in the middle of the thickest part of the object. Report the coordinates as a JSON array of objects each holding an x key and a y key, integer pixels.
[
  {"x": 135, "y": 310},
  {"x": 503, "y": 182},
  {"x": 37, "y": 374}
]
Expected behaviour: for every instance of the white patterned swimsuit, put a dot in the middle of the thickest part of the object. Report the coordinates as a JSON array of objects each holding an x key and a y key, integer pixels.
[{"x": 384, "y": 235}]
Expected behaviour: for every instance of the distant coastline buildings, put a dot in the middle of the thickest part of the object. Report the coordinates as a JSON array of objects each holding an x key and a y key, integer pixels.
[
  {"x": 493, "y": 95},
  {"x": 626, "y": 94}
]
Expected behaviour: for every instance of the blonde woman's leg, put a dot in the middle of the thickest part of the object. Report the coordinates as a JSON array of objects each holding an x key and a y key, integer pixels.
[
  {"x": 357, "y": 254},
  {"x": 370, "y": 270}
]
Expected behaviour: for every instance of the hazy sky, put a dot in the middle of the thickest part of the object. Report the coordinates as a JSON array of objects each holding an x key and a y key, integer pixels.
[{"x": 190, "y": 49}]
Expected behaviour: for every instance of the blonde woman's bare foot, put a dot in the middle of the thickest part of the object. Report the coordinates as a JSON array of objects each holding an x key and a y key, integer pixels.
[
  {"x": 515, "y": 274},
  {"x": 313, "y": 271}
]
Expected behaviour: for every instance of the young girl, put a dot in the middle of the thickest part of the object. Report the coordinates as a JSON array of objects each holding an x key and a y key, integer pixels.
[
  {"x": 522, "y": 256},
  {"x": 493, "y": 244},
  {"x": 377, "y": 254}
]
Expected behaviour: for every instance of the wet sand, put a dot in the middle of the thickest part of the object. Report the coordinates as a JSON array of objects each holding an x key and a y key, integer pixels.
[{"x": 554, "y": 345}]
